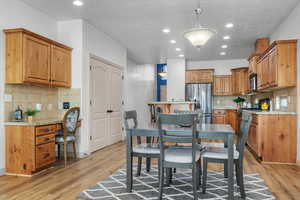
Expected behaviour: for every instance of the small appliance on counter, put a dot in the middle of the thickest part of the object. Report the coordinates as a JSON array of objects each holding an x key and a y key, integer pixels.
[
  {"x": 17, "y": 115},
  {"x": 264, "y": 104}
]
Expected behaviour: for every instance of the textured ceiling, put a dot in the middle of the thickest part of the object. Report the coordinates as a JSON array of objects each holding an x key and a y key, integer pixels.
[{"x": 137, "y": 24}]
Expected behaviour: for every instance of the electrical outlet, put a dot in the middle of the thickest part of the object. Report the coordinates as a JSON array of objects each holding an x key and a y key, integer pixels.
[{"x": 7, "y": 98}]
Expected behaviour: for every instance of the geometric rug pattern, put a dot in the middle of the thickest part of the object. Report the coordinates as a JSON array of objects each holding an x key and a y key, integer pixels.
[{"x": 145, "y": 187}]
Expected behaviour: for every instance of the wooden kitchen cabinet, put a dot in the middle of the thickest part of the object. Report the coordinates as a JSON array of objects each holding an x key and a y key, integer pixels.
[
  {"x": 222, "y": 116},
  {"x": 277, "y": 66},
  {"x": 222, "y": 85},
  {"x": 34, "y": 59},
  {"x": 199, "y": 76},
  {"x": 253, "y": 63},
  {"x": 29, "y": 148},
  {"x": 272, "y": 137},
  {"x": 240, "y": 81},
  {"x": 60, "y": 66}
]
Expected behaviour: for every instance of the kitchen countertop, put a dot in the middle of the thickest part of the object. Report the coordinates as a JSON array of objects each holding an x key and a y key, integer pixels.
[
  {"x": 35, "y": 123},
  {"x": 270, "y": 112},
  {"x": 224, "y": 108}
]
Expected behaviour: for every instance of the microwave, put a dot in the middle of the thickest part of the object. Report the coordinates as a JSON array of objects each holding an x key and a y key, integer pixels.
[{"x": 253, "y": 82}]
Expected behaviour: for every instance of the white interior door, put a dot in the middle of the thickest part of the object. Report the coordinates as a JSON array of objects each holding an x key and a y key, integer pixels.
[
  {"x": 106, "y": 104},
  {"x": 99, "y": 105},
  {"x": 116, "y": 103}
]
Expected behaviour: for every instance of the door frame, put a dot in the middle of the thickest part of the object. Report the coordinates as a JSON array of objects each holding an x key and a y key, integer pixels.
[{"x": 87, "y": 98}]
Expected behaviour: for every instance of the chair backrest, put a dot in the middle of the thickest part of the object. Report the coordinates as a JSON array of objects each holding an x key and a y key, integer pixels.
[
  {"x": 243, "y": 134},
  {"x": 177, "y": 120},
  {"x": 198, "y": 112},
  {"x": 70, "y": 121},
  {"x": 131, "y": 115}
]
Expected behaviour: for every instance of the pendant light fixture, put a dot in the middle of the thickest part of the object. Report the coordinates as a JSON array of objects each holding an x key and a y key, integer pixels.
[{"x": 199, "y": 35}]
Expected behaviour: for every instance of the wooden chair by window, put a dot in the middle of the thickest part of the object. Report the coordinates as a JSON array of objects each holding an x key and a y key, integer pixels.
[
  {"x": 220, "y": 155},
  {"x": 68, "y": 133},
  {"x": 146, "y": 150},
  {"x": 179, "y": 156}
]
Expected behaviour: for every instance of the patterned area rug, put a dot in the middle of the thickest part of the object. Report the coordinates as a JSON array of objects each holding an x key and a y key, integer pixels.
[{"x": 146, "y": 187}]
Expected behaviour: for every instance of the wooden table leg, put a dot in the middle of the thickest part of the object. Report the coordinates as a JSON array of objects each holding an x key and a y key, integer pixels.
[{"x": 230, "y": 167}]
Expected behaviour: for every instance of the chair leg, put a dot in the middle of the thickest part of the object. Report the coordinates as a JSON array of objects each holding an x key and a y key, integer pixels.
[
  {"x": 198, "y": 177},
  {"x": 225, "y": 169},
  {"x": 169, "y": 176},
  {"x": 74, "y": 150},
  {"x": 139, "y": 167},
  {"x": 204, "y": 175},
  {"x": 58, "y": 151},
  {"x": 241, "y": 180},
  {"x": 148, "y": 164},
  {"x": 200, "y": 171},
  {"x": 129, "y": 173},
  {"x": 195, "y": 182},
  {"x": 236, "y": 174},
  {"x": 65, "y": 153},
  {"x": 161, "y": 181}
]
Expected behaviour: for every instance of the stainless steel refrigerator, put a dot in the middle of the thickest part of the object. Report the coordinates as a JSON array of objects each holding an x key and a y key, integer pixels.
[{"x": 202, "y": 95}]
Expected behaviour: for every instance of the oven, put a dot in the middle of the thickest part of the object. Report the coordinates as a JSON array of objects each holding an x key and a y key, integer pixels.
[{"x": 253, "y": 82}]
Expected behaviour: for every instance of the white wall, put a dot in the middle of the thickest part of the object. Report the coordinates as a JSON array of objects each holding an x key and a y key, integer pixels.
[
  {"x": 290, "y": 29},
  {"x": 221, "y": 67},
  {"x": 176, "y": 79},
  {"x": 15, "y": 14},
  {"x": 96, "y": 43},
  {"x": 140, "y": 89}
]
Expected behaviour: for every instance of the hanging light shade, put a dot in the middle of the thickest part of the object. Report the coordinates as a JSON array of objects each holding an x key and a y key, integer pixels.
[{"x": 199, "y": 36}]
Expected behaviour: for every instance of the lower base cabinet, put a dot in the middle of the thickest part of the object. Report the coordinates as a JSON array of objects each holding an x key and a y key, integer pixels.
[
  {"x": 272, "y": 138},
  {"x": 221, "y": 116},
  {"x": 29, "y": 148}
]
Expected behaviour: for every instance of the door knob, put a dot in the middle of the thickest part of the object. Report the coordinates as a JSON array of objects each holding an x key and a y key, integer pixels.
[{"x": 109, "y": 111}]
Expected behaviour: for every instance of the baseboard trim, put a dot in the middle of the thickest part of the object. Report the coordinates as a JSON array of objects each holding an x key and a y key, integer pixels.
[{"x": 2, "y": 172}]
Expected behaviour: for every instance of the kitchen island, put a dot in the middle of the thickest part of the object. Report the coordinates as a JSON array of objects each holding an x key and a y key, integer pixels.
[{"x": 168, "y": 107}]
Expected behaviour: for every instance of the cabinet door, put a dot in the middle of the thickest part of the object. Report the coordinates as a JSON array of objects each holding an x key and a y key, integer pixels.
[
  {"x": 252, "y": 138},
  {"x": 232, "y": 119},
  {"x": 265, "y": 72},
  {"x": 259, "y": 75},
  {"x": 218, "y": 85},
  {"x": 227, "y": 86},
  {"x": 60, "y": 66},
  {"x": 272, "y": 62},
  {"x": 36, "y": 60}
]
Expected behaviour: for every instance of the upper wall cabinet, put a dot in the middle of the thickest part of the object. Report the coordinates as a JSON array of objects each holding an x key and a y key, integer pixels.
[
  {"x": 222, "y": 85},
  {"x": 276, "y": 67},
  {"x": 34, "y": 59},
  {"x": 199, "y": 76},
  {"x": 240, "y": 83}
]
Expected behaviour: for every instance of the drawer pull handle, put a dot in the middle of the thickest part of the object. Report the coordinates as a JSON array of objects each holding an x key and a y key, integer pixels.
[
  {"x": 46, "y": 139},
  {"x": 46, "y": 130},
  {"x": 46, "y": 155}
]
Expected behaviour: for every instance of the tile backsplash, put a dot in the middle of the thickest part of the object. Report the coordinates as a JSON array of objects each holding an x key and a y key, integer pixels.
[
  {"x": 289, "y": 94},
  {"x": 50, "y": 98},
  {"x": 226, "y": 101}
]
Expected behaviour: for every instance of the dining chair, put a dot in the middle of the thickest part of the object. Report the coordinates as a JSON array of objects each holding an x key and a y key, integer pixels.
[
  {"x": 141, "y": 150},
  {"x": 68, "y": 133},
  {"x": 198, "y": 112},
  {"x": 220, "y": 155},
  {"x": 179, "y": 156}
]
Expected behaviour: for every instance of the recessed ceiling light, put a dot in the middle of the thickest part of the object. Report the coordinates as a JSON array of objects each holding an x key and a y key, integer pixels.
[
  {"x": 223, "y": 53},
  {"x": 181, "y": 55},
  {"x": 227, "y": 37},
  {"x": 78, "y": 3},
  {"x": 166, "y": 30},
  {"x": 229, "y": 25},
  {"x": 178, "y": 49},
  {"x": 224, "y": 46},
  {"x": 173, "y": 41}
]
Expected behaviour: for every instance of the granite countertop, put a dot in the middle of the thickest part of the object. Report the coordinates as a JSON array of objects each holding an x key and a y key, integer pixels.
[
  {"x": 224, "y": 108},
  {"x": 270, "y": 112},
  {"x": 170, "y": 102},
  {"x": 35, "y": 123}
]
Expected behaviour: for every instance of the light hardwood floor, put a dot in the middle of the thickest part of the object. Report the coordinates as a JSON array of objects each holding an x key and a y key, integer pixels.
[{"x": 65, "y": 183}]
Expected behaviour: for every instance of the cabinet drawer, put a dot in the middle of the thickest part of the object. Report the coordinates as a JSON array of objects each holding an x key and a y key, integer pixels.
[
  {"x": 44, "y": 139},
  {"x": 219, "y": 112},
  {"x": 45, "y": 154},
  {"x": 45, "y": 130}
]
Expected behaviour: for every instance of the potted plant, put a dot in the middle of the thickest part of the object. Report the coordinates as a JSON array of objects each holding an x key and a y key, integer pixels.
[
  {"x": 239, "y": 101},
  {"x": 31, "y": 113}
]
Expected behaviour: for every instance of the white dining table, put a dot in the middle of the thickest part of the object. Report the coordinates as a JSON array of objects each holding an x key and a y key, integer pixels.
[{"x": 206, "y": 131}]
